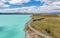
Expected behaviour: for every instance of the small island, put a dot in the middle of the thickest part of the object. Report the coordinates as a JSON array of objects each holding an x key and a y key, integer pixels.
[{"x": 43, "y": 26}]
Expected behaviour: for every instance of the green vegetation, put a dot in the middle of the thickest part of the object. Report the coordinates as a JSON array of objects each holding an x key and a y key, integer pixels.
[{"x": 48, "y": 25}]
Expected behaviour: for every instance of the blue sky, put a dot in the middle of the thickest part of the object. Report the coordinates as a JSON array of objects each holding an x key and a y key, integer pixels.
[
  {"x": 31, "y": 3},
  {"x": 29, "y": 6}
]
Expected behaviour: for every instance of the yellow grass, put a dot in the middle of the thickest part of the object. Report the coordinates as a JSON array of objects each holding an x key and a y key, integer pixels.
[{"x": 51, "y": 24}]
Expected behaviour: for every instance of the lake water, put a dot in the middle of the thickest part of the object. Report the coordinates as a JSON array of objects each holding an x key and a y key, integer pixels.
[{"x": 12, "y": 26}]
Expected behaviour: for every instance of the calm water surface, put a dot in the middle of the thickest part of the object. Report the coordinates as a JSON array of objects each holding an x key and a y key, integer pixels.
[{"x": 12, "y": 26}]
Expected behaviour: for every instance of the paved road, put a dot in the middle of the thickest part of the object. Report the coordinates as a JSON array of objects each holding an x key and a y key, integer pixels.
[{"x": 38, "y": 32}]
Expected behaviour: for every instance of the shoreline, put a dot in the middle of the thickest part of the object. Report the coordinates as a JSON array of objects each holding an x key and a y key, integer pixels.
[
  {"x": 30, "y": 33},
  {"x": 36, "y": 33}
]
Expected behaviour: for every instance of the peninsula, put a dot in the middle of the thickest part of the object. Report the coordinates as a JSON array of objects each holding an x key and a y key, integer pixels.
[{"x": 43, "y": 26}]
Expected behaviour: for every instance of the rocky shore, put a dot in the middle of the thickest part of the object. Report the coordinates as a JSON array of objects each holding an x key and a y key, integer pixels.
[{"x": 30, "y": 33}]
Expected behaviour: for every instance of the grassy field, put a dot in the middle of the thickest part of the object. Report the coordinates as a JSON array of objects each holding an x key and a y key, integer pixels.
[{"x": 50, "y": 25}]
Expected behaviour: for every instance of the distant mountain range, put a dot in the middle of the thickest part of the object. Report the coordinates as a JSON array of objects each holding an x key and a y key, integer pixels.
[{"x": 32, "y": 13}]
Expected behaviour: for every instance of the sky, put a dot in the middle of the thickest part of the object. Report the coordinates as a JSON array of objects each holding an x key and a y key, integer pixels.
[{"x": 29, "y": 6}]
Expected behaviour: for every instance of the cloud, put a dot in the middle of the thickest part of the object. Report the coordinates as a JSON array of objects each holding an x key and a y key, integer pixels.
[
  {"x": 56, "y": 3},
  {"x": 2, "y": 3},
  {"x": 50, "y": 6},
  {"x": 48, "y": 2},
  {"x": 33, "y": 9},
  {"x": 15, "y": 1},
  {"x": 18, "y": 1}
]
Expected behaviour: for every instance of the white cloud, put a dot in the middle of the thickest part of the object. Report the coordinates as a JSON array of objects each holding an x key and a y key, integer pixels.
[
  {"x": 49, "y": 7},
  {"x": 32, "y": 9},
  {"x": 2, "y": 0},
  {"x": 56, "y": 3},
  {"x": 48, "y": 2},
  {"x": 3, "y": 5},
  {"x": 18, "y": 1}
]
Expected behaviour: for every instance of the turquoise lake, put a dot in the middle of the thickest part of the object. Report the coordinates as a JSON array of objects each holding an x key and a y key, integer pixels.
[{"x": 12, "y": 26}]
